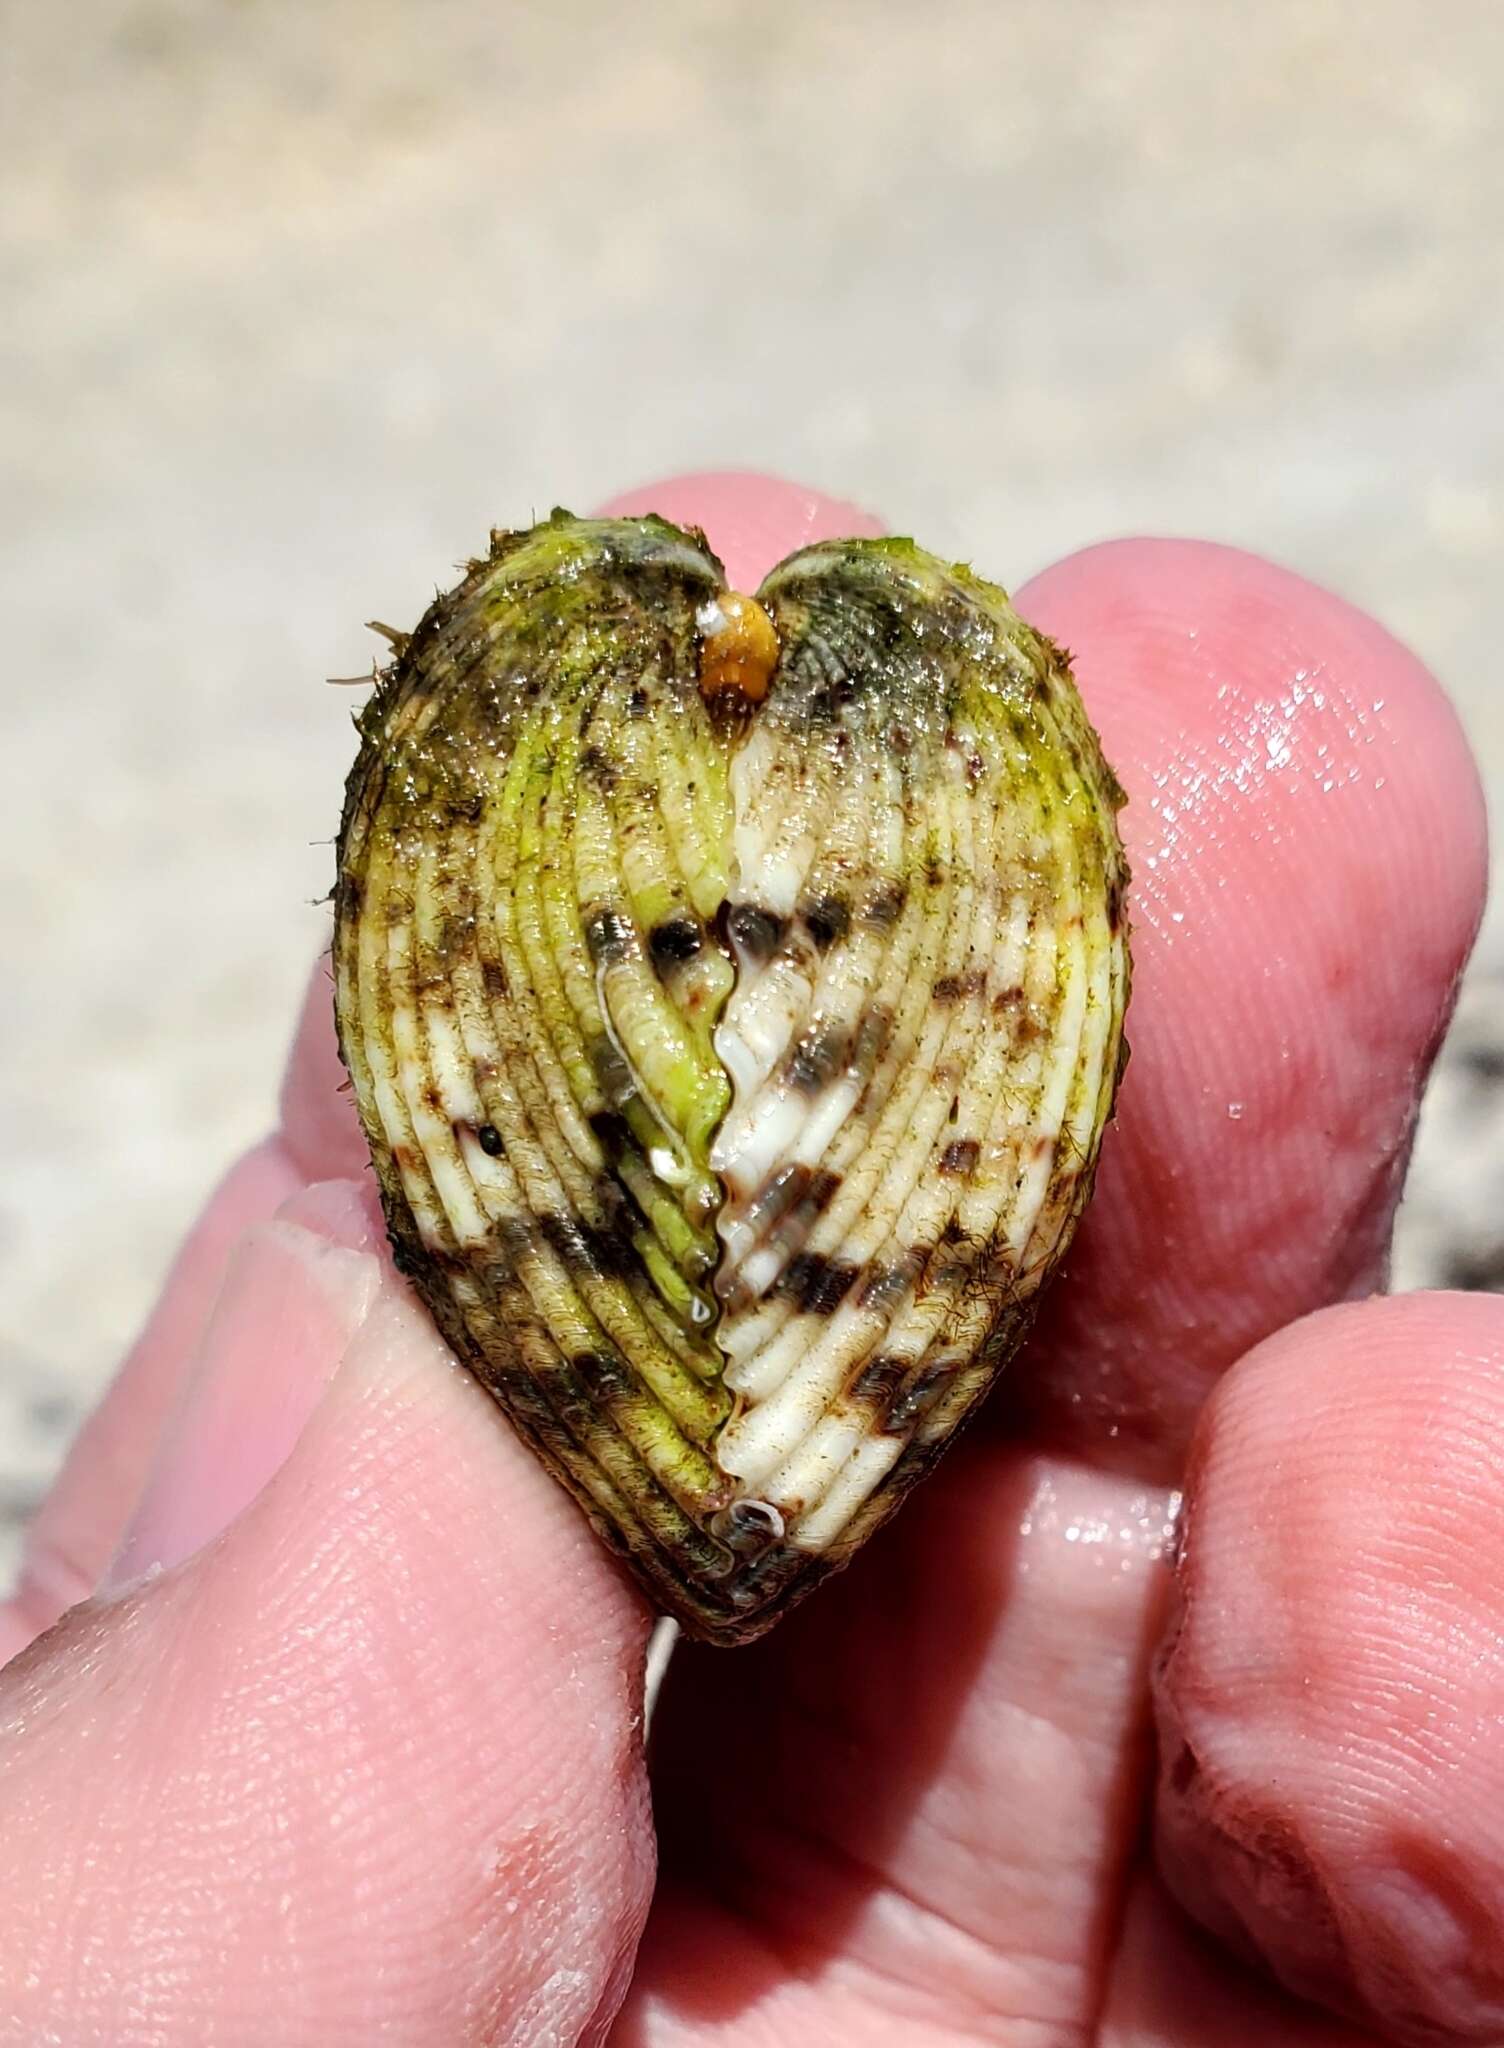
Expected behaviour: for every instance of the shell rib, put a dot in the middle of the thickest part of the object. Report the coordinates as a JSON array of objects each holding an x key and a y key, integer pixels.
[{"x": 734, "y": 1071}]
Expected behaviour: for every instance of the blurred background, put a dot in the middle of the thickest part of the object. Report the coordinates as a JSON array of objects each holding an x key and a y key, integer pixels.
[{"x": 299, "y": 297}]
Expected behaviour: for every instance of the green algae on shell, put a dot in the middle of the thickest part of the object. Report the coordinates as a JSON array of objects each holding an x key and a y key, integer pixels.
[{"x": 734, "y": 1070}]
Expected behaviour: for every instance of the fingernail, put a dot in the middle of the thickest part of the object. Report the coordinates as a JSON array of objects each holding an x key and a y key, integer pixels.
[{"x": 290, "y": 1304}]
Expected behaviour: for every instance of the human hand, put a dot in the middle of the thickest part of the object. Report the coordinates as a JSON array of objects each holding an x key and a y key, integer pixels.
[{"x": 348, "y": 1746}]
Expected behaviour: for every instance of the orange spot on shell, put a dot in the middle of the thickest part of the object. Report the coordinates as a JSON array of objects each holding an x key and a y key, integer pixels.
[{"x": 739, "y": 650}]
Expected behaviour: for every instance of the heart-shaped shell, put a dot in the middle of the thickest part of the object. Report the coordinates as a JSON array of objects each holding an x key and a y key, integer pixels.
[{"x": 734, "y": 1070}]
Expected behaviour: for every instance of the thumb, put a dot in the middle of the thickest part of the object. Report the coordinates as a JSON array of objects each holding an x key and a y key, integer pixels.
[{"x": 364, "y": 1764}]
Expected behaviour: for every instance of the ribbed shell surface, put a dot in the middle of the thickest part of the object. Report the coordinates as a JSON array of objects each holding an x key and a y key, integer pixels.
[{"x": 734, "y": 1074}]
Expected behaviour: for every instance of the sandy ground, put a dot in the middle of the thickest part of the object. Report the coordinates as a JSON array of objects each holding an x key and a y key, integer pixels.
[{"x": 299, "y": 299}]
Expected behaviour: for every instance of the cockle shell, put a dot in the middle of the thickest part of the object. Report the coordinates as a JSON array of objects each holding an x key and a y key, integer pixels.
[{"x": 732, "y": 992}]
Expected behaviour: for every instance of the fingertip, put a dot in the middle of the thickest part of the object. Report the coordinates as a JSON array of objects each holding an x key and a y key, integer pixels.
[
  {"x": 401, "y": 1694},
  {"x": 320, "y": 1126},
  {"x": 292, "y": 1299},
  {"x": 1306, "y": 835},
  {"x": 1332, "y": 1761},
  {"x": 341, "y": 1211},
  {"x": 79, "y": 1525},
  {"x": 1196, "y": 636},
  {"x": 1281, "y": 749}
]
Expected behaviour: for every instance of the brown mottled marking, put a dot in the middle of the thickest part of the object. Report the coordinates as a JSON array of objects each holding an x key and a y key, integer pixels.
[
  {"x": 870, "y": 1042},
  {"x": 674, "y": 941},
  {"x": 817, "y": 1284},
  {"x": 603, "y": 1375},
  {"x": 583, "y": 1248},
  {"x": 1007, "y": 999},
  {"x": 918, "y": 1397},
  {"x": 464, "y": 806},
  {"x": 827, "y": 919},
  {"x": 884, "y": 906},
  {"x": 1117, "y": 886},
  {"x": 598, "y": 765},
  {"x": 613, "y": 1073},
  {"x": 777, "y": 1195},
  {"x": 611, "y": 1132},
  {"x": 516, "y": 1239},
  {"x": 877, "y": 1381},
  {"x": 455, "y": 939},
  {"x": 960, "y": 1156},
  {"x": 756, "y": 932},
  {"x": 565, "y": 1237},
  {"x": 619, "y": 1215},
  {"x": 409, "y": 1258},
  {"x": 816, "y": 1060},
  {"x": 955, "y": 988},
  {"x": 494, "y": 977},
  {"x": 793, "y": 1226},
  {"x": 608, "y": 935},
  {"x": 885, "y": 1286}
]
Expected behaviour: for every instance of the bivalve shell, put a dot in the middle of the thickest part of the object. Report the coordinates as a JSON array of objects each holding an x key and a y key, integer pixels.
[{"x": 733, "y": 994}]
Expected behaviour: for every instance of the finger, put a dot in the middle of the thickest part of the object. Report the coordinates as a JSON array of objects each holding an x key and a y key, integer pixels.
[
  {"x": 364, "y": 1767},
  {"x": 1332, "y": 1778},
  {"x": 277, "y": 1330},
  {"x": 1171, "y": 1988},
  {"x": 318, "y": 1118},
  {"x": 754, "y": 521},
  {"x": 1307, "y": 839},
  {"x": 78, "y": 1526}
]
